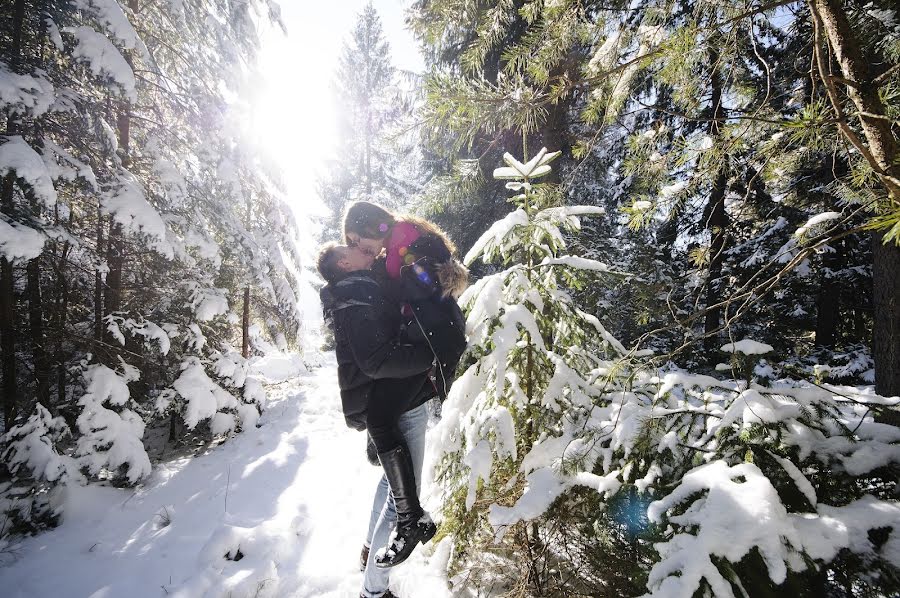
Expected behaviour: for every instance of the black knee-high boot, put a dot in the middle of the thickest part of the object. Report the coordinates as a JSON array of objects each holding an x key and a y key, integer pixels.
[{"x": 413, "y": 524}]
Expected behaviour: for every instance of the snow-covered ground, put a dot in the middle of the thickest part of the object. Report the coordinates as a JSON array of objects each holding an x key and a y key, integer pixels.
[{"x": 293, "y": 495}]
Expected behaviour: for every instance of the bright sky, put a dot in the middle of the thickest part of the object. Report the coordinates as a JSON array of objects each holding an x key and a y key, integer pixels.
[{"x": 293, "y": 112}]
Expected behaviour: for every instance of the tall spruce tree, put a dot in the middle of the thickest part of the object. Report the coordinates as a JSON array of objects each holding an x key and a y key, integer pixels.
[{"x": 377, "y": 156}]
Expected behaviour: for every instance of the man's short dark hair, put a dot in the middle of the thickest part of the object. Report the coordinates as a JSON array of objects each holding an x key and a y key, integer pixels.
[{"x": 329, "y": 256}]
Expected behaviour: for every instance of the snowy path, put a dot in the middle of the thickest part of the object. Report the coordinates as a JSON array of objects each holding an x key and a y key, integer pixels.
[{"x": 298, "y": 495}]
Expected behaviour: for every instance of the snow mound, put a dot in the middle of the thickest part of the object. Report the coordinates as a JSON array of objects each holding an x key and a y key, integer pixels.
[
  {"x": 277, "y": 367},
  {"x": 239, "y": 562}
]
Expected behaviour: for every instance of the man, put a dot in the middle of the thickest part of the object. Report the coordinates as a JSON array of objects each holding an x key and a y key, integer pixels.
[{"x": 367, "y": 346}]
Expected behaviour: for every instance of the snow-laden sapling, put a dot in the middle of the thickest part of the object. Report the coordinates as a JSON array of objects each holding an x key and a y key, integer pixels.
[
  {"x": 513, "y": 428},
  {"x": 38, "y": 467},
  {"x": 111, "y": 428}
]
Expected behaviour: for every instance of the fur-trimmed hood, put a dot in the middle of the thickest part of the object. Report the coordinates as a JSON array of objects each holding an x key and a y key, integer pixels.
[{"x": 454, "y": 278}]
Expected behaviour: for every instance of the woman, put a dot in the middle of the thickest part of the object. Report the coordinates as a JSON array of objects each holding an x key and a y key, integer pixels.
[{"x": 418, "y": 271}]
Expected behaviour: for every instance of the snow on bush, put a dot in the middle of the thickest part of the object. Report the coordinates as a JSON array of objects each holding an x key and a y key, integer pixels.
[
  {"x": 25, "y": 94},
  {"x": 204, "y": 399},
  {"x": 547, "y": 404},
  {"x": 31, "y": 446},
  {"x": 207, "y": 302},
  {"x": 111, "y": 432},
  {"x": 16, "y": 156},
  {"x": 146, "y": 329},
  {"x": 127, "y": 204},
  {"x": 19, "y": 243}
]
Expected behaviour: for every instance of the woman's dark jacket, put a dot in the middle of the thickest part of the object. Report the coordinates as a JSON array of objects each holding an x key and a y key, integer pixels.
[
  {"x": 427, "y": 286},
  {"x": 368, "y": 347}
]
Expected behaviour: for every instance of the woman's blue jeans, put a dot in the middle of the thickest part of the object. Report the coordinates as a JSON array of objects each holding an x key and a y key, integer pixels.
[{"x": 412, "y": 426}]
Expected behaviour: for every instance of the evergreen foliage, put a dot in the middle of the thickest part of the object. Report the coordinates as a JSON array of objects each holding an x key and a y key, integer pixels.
[
  {"x": 560, "y": 447},
  {"x": 708, "y": 138}
]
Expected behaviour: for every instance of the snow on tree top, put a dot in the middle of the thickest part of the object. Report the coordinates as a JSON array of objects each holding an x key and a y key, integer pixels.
[{"x": 815, "y": 220}]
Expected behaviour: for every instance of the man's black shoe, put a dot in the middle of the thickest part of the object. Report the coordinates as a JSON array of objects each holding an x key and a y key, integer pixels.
[{"x": 363, "y": 558}]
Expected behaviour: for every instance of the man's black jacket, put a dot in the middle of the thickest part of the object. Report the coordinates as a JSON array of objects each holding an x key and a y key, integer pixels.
[{"x": 367, "y": 347}]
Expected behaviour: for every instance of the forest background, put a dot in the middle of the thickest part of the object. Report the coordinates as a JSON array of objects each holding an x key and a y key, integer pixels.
[{"x": 745, "y": 156}]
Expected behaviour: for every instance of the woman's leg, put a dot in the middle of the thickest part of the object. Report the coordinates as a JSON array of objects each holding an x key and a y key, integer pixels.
[{"x": 412, "y": 425}]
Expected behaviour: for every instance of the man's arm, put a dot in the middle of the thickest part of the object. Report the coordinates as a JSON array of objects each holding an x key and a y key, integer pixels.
[{"x": 375, "y": 347}]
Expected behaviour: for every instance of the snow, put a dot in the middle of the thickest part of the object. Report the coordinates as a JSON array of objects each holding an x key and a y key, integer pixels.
[
  {"x": 110, "y": 14},
  {"x": 277, "y": 367},
  {"x": 111, "y": 438},
  {"x": 748, "y": 347},
  {"x": 53, "y": 32},
  {"x": 30, "y": 445},
  {"x": 803, "y": 484},
  {"x": 19, "y": 243},
  {"x": 27, "y": 94},
  {"x": 129, "y": 207},
  {"x": 606, "y": 55},
  {"x": 102, "y": 57},
  {"x": 203, "y": 396},
  {"x": 815, "y": 221},
  {"x": 641, "y": 205},
  {"x": 17, "y": 156},
  {"x": 208, "y": 303},
  {"x": 495, "y": 234},
  {"x": 672, "y": 190},
  {"x": 63, "y": 165},
  {"x": 741, "y": 510},
  {"x": 294, "y": 496},
  {"x": 580, "y": 263}
]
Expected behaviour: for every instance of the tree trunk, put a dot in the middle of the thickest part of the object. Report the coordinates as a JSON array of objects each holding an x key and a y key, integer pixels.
[
  {"x": 115, "y": 246},
  {"x": 36, "y": 323},
  {"x": 880, "y": 141},
  {"x": 886, "y": 331},
  {"x": 245, "y": 325},
  {"x": 880, "y": 148},
  {"x": 63, "y": 300},
  {"x": 115, "y": 260},
  {"x": 717, "y": 217},
  {"x": 7, "y": 289},
  {"x": 98, "y": 284},
  {"x": 827, "y": 312},
  {"x": 7, "y": 342}
]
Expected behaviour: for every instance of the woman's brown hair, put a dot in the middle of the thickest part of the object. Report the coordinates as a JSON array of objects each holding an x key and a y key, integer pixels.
[
  {"x": 368, "y": 220},
  {"x": 371, "y": 221}
]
